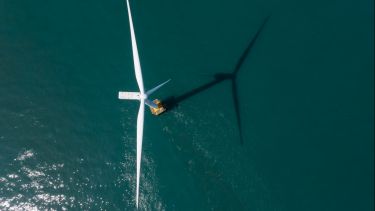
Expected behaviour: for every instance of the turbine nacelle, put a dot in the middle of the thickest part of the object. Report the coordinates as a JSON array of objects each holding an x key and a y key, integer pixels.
[{"x": 139, "y": 95}]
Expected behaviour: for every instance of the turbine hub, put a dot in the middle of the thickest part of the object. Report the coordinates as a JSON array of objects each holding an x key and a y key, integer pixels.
[{"x": 143, "y": 96}]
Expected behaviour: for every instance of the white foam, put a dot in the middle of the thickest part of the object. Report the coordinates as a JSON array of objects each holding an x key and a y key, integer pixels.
[
  {"x": 49, "y": 198},
  {"x": 32, "y": 173},
  {"x": 12, "y": 176},
  {"x": 25, "y": 155}
]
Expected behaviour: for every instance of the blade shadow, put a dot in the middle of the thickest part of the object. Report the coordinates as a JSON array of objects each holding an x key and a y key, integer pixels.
[{"x": 173, "y": 101}]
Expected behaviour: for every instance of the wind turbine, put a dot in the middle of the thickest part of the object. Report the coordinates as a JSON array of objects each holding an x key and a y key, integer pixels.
[{"x": 141, "y": 96}]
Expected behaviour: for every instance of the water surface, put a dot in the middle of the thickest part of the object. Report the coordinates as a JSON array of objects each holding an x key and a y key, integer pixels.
[{"x": 304, "y": 91}]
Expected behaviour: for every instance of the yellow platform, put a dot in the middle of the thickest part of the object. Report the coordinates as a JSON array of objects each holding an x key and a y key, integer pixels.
[{"x": 159, "y": 110}]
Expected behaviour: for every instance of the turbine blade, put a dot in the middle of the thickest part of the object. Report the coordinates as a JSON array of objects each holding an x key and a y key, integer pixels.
[
  {"x": 137, "y": 64},
  {"x": 140, "y": 122},
  {"x": 149, "y": 92},
  {"x": 150, "y": 103}
]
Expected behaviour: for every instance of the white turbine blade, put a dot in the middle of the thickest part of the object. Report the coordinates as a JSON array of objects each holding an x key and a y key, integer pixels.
[
  {"x": 150, "y": 103},
  {"x": 137, "y": 64},
  {"x": 140, "y": 121},
  {"x": 129, "y": 95},
  {"x": 149, "y": 92}
]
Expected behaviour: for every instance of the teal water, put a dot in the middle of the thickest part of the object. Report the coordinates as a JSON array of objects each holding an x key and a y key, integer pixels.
[{"x": 304, "y": 89}]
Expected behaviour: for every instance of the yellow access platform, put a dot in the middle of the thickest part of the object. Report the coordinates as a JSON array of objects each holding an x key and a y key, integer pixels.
[{"x": 159, "y": 110}]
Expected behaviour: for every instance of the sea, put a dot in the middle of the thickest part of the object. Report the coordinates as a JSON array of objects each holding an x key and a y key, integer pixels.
[{"x": 270, "y": 106}]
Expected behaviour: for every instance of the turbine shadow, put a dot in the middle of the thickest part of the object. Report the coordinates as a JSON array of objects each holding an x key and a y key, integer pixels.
[{"x": 173, "y": 101}]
